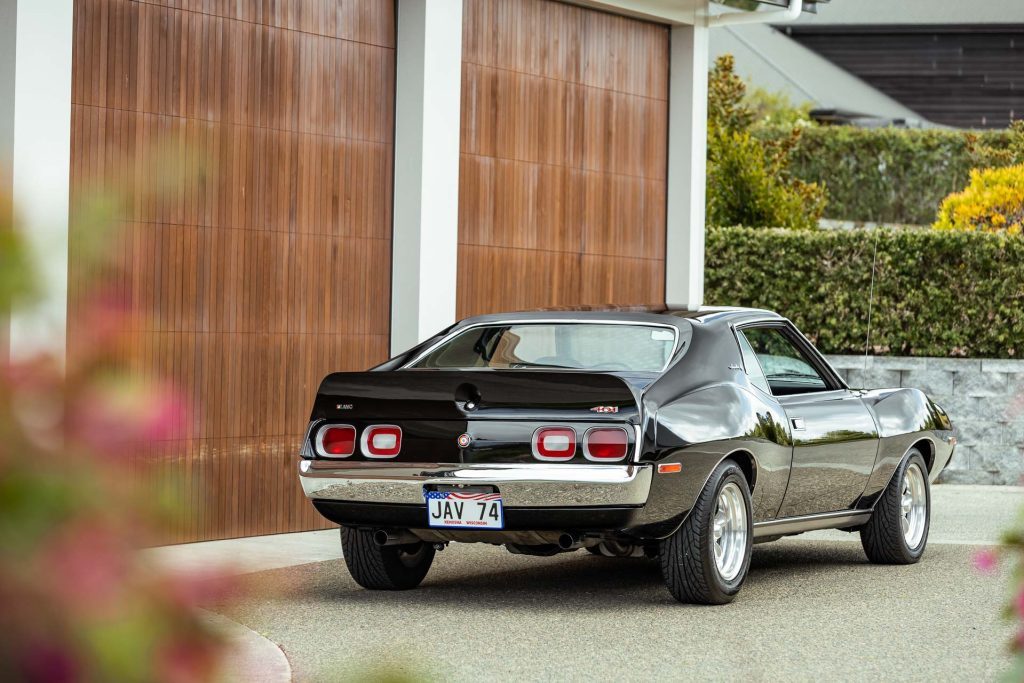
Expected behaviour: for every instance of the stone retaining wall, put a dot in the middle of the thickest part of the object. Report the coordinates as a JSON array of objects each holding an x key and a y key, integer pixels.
[{"x": 984, "y": 398}]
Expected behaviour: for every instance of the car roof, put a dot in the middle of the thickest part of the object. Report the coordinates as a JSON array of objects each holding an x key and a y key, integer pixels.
[{"x": 664, "y": 314}]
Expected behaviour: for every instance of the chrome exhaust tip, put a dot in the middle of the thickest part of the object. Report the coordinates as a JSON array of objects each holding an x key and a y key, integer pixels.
[
  {"x": 569, "y": 542},
  {"x": 385, "y": 537}
]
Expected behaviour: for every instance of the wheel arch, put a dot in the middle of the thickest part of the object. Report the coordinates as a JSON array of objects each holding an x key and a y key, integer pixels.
[
  {"x": 923, "y": 445},
  {"x": 747, "y": 462},
  {"x": 927, "y": 449}
]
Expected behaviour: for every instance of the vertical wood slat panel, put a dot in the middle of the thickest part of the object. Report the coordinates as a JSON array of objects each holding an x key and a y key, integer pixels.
[
  {"x": 563, "y": 167},
  {"x": 258, "y": 277}
]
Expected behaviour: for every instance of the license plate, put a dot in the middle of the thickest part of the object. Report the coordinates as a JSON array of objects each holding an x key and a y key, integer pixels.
[{"x": 464, "y": 510}]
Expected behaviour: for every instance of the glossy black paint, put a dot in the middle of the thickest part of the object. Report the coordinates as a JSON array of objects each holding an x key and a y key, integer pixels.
[
  {"x": 833, "y": 453},
  {"x": 499, "y": 410},
  {"x": 697, "y": 412}
]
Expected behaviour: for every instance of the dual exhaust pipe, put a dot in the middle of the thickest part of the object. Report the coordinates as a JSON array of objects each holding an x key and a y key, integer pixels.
[{"x": 385, "y": 537}]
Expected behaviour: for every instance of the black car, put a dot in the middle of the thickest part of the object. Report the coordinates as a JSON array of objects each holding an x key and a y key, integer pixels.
[{"x": 684, "y": 436}]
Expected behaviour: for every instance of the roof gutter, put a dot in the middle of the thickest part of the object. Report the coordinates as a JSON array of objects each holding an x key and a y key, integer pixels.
[{"x": 791, "y": 13}]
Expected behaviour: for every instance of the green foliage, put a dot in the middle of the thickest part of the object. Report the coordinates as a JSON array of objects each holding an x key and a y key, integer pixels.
[
  {"x": 726, "y": 92},
  {"x": 776, "y": 109},
  {"x": 748, "y": 185},
  {"x": 1005, "y": 149},
  {"x": 993, "y": 202},
  {"x": 748, "y": 179},
  {"x": 936, "y": 293},
  {"x": 891, "y": 175}
]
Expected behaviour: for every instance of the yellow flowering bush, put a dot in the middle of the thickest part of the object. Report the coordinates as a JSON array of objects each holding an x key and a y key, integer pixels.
[{"x": 993, "y": 201}]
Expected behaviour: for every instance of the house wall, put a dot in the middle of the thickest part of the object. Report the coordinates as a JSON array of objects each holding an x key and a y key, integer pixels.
[
  {"x": 984, "y": 399},
  {"x": 271, "y": 265},
  {"x": 563, "y": 157},
  {"x": 257, "y": 277}
]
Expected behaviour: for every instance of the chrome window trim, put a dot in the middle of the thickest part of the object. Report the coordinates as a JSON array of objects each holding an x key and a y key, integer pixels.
[
  {"x": 818, "y": 361},
  {"x": 318, "y": 441},
  {"x": 737, "y": 334},
  {"x": 544, "y": 321},
  {"x": 586, "y": 450}
]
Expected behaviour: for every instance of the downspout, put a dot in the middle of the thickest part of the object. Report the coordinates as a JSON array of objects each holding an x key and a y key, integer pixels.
[{"x": 791, "y": 13}]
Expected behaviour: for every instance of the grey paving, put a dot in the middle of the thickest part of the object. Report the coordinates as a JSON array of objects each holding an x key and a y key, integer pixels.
[{"x": 811, "y": 609}]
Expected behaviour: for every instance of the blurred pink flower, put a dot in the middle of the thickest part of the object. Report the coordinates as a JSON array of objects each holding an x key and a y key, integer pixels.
[
  {"x": 1017, "y": 645},
  {"x": 89, "y": 563},
  {"x": 165, "y": 416},
  {"x": 111, "y": 416},
  {"x": 1018, "y": 602},
  {"x": 48, "y": 663},
  {"x": 186, "y": 661},
  {"x": 192, "y": 589},
  {"x": 985, "y": 561},
  {"x": 105, "y": 317}
]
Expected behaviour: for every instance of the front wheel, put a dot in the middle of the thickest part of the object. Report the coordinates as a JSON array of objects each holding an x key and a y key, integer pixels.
[
  {"x": 897, "y": 531},
  {"x": 390, "y": 567},
  {"x": 707, "y": 559}
]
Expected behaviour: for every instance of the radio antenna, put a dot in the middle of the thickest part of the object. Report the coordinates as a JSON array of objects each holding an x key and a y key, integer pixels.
[{"x": 871, "y": 298}]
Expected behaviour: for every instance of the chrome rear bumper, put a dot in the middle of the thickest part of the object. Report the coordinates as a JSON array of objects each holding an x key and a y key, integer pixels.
[{"x": 520, "y": 485}]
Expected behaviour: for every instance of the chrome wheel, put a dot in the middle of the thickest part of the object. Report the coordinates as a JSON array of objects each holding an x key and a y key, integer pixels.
[
  {"x": 913, "y": 505},
  {"x": 730, "y": 531}
]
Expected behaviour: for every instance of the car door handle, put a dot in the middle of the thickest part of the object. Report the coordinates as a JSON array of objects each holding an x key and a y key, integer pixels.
[{"x": 798, "y": 423}]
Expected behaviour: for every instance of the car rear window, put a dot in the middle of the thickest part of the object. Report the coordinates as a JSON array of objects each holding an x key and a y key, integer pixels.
[{"x": 603, "y": 347}]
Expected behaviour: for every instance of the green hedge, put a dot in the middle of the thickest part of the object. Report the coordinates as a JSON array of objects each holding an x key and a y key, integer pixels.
[
  {"x": 936, "y": 293},
  {"x": 888, "y": 175}
]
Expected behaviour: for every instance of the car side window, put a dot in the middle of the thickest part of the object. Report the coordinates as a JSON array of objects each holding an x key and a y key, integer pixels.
[
  {"x": 786, "y": 368},
  {"x": 752, "y": 366}
]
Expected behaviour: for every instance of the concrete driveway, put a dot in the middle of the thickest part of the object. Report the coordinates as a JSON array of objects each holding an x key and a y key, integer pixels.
[{"x": 812, "y": 608}]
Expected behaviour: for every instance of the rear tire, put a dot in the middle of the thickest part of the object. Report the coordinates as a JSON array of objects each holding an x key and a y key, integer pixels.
[
  {"x": 707, "y": 559},
  {"x": 897, "y": 532},
  {"x": 392, "y": 567}
]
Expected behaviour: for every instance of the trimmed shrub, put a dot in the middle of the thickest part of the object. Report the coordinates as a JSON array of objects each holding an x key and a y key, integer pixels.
[
  {"x": 887, "y": 175},
  {"x": 936, "y": 293},
  {"x": 748, "y": 184},
  {"x": 748, "y": 179},
  {"x": 993, "y": 201}
]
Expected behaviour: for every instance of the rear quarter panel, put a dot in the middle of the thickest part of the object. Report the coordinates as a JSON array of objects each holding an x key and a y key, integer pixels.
[
  {"x": 703, "y": 427},
  {"x": 905, "y": 417}
]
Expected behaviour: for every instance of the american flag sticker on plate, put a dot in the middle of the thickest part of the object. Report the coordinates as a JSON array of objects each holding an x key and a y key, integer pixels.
[{"x": 469, "y": 510}]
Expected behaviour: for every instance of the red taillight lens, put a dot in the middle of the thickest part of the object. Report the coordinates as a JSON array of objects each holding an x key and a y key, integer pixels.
[
  {"x": 336, "y": 441},
  {"x": 382, "y": 441},
  {"x": 554, "y": 443},
  {"x": 603, "y": 443}
]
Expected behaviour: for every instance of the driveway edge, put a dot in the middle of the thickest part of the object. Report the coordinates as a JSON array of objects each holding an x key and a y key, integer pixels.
[{"x": 250, "y": 657}]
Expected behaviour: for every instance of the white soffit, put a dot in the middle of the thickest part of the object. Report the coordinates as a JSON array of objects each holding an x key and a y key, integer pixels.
[{"x": 662, "y": 11}]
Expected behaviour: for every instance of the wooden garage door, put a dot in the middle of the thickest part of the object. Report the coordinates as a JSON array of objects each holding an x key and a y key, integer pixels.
[
  {"x": 258, "y": 277},
  {"x": 563, "y": 166}
]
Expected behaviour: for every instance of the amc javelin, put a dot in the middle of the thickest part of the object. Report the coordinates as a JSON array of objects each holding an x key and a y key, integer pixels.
[{"x": 677, "y": 435}]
